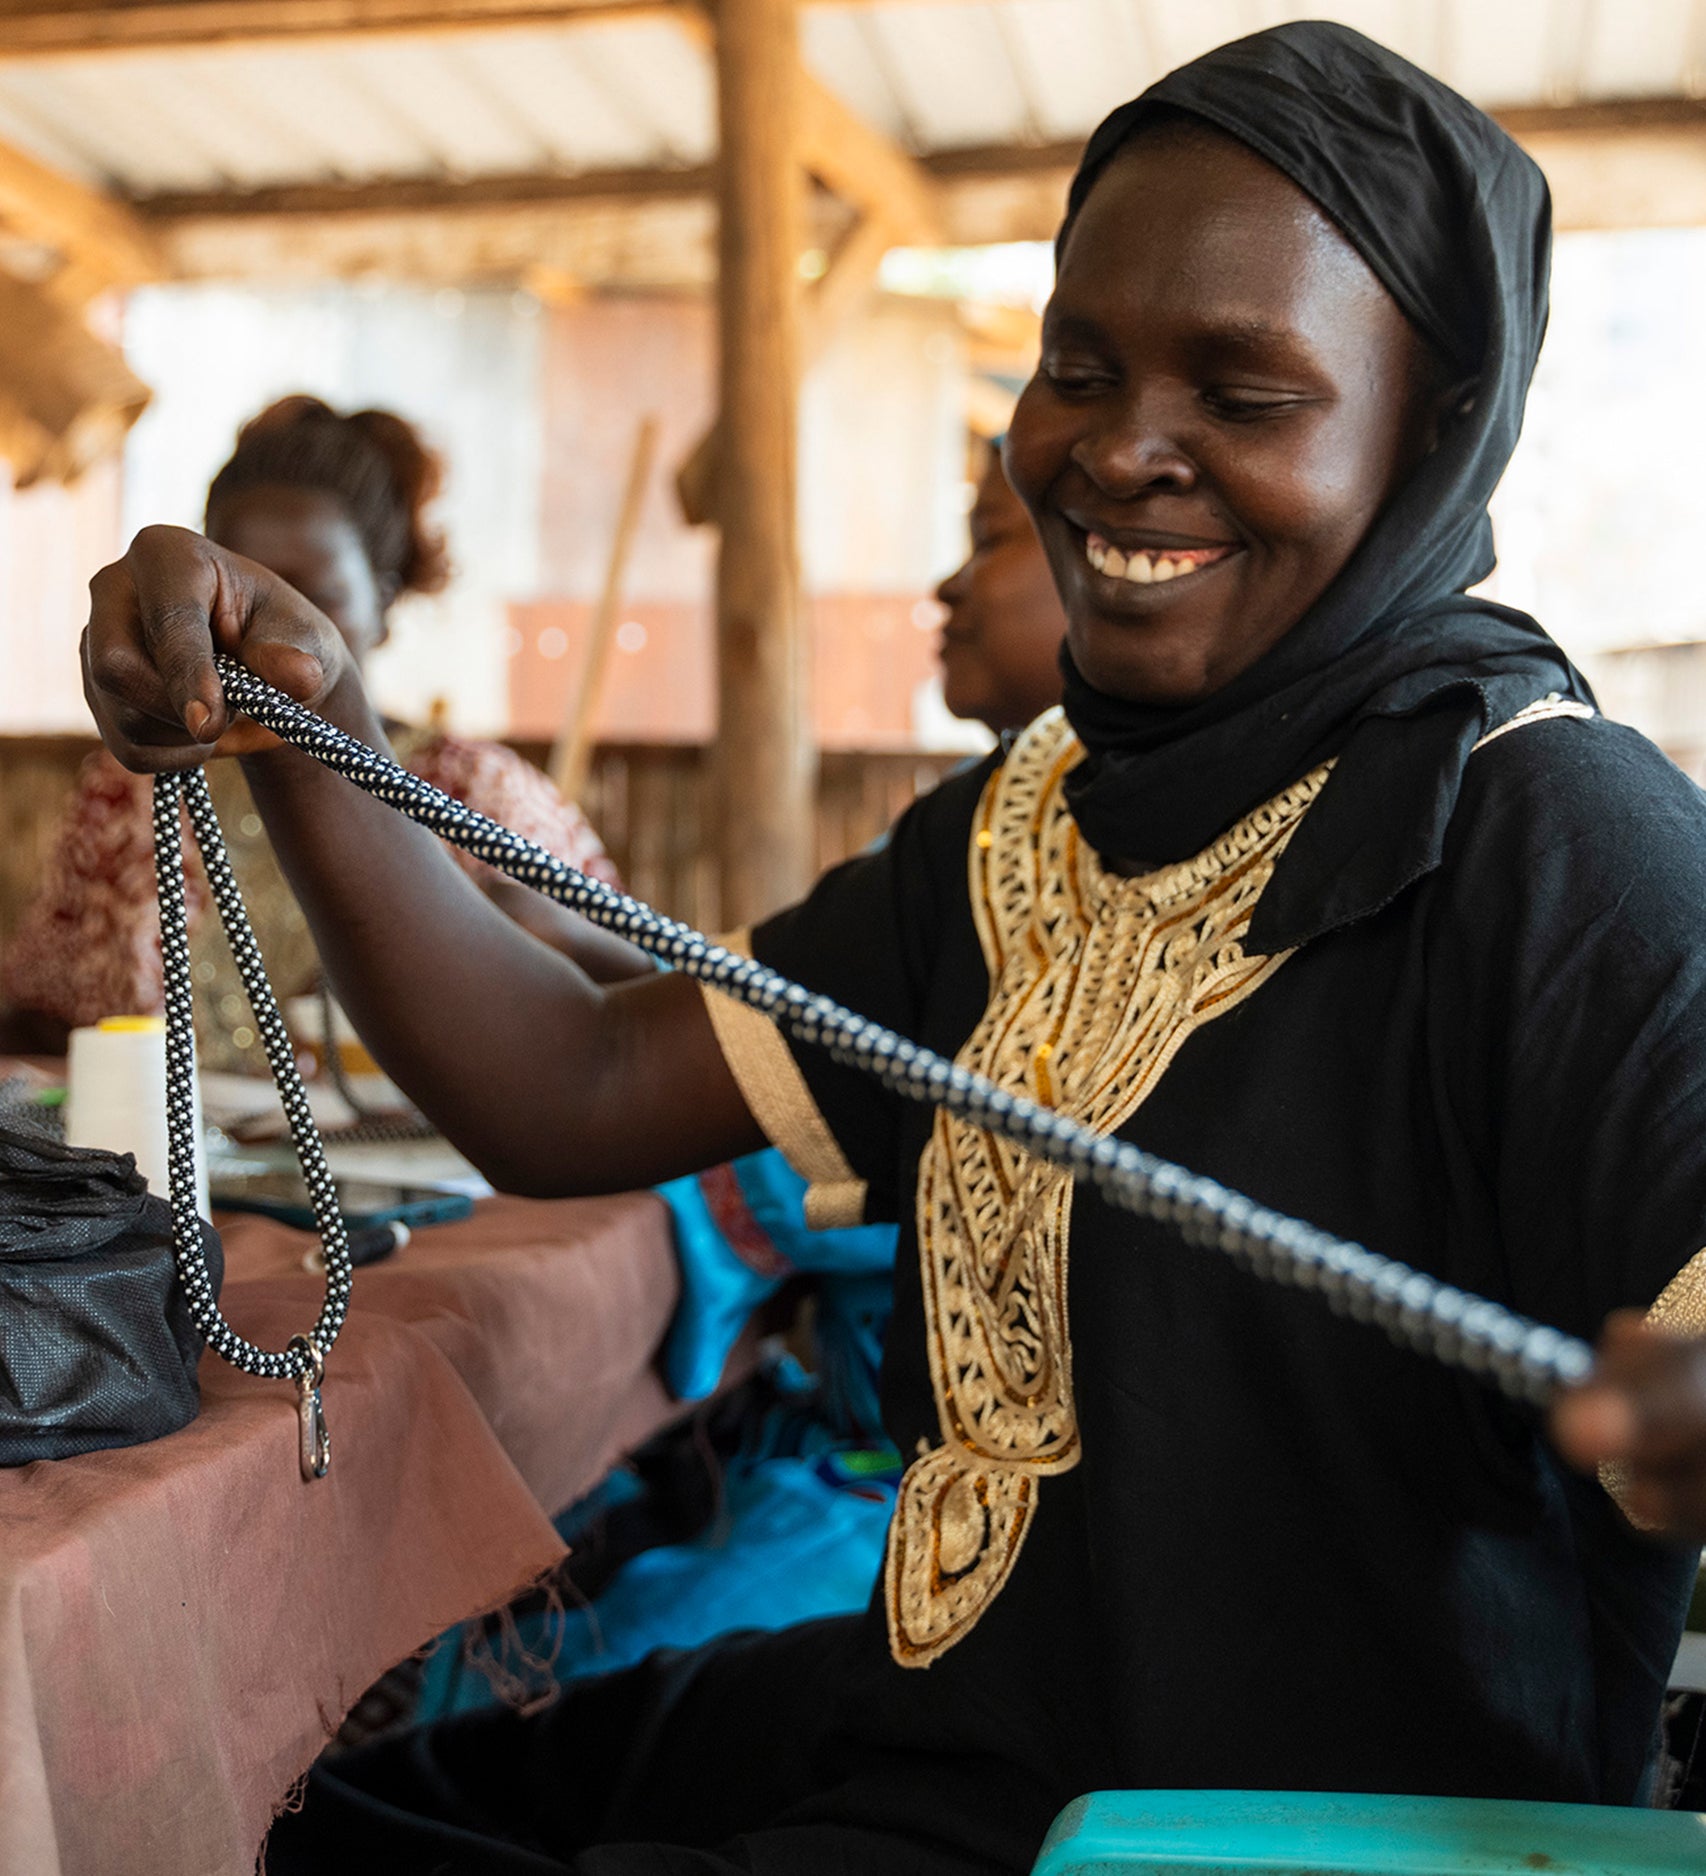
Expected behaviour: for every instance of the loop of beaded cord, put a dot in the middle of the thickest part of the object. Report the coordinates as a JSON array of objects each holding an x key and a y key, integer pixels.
[
  {"x": 293, "y": 1361},
  {"x": 1524, "y": 1359}
]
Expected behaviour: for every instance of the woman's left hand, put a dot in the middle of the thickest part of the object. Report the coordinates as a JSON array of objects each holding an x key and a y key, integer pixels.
[{"x": 1644, "y": 1411}]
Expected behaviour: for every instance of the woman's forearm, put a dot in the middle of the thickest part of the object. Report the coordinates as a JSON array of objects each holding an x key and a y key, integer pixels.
[{"x": 548, "y": 1082}]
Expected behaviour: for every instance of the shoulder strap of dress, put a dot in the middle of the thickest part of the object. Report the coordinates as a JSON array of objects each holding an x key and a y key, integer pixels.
[{"x": 1542, "y": 710}]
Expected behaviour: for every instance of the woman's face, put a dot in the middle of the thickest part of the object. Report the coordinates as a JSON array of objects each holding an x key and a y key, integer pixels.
[
  {"x": 307, "y": 538},
  {"x": 1226, "y": 398},
  {"x": 1001, "y": 638}
]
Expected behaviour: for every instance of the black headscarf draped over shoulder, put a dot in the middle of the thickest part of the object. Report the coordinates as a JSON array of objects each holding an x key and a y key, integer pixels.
[{"x": 1394, "y": 669}]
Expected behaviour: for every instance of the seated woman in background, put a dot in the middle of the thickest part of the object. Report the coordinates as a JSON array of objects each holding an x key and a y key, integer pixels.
[
  {"x": 336, "y": 505},
  {"x": 1001, "y": 638}
]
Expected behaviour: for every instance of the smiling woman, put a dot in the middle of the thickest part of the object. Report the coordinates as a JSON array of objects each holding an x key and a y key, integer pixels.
[
  {"x": 1224, "y": 426},
  {"x": 1328, "y": 883}
]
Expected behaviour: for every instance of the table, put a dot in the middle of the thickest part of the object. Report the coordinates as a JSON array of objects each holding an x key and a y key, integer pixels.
[{"x": 184, "y": 1624}]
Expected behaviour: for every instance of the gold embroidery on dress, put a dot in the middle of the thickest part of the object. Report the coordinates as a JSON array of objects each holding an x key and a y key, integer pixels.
[
  {"x": 1096, "y": 981},
  {"x": 1681, "y": 1311},
  {"x": 1681, "y": 1308}
]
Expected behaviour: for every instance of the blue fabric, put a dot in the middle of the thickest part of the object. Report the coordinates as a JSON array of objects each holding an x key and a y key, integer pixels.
[
  {"x": 724, "y": 1279},
  {"x": 806, "y": 1498},
  {"x": 800, "y": 1536}
]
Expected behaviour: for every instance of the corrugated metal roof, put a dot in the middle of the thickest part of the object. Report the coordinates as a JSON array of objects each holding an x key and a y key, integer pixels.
[{"x": 639, "y": 93}]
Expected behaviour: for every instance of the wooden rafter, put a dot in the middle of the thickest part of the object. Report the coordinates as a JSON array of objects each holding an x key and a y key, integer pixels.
[
  {"x": 405, "y": 195},
  {"x": 50, "y": 27},
  {"x": 851, "y": 158},
  {"x": 914, "y": 191},
  {"x": 100, "y": 241},
  {"x": 847, "y": 156},
  {"x": 66, "y": 396},
  {"x": 57, "y": 27},
  {"x": 865, "y": 168},
  {"x": 835, "y": 300},
  {"x": 858, "y": 163}
]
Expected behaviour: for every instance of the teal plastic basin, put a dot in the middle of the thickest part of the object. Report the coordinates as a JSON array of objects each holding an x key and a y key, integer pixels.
[{"x": 1316, "y": 1833}]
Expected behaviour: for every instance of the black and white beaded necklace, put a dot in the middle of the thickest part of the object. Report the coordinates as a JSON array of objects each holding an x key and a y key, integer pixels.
[{"x": 1524, "y": 1359}]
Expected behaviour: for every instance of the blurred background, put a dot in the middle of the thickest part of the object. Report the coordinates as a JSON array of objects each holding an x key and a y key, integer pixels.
[{"x": 500, "y": 220}]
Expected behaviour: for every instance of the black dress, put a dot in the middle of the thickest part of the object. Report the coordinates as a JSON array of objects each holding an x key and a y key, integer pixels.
[
  {"x": 1165, "y": 1526},
  {"x": 1256, "y": 1546}
]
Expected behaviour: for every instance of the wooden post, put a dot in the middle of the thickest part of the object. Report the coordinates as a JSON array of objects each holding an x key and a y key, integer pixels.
[{"x": 764, "y": 772}]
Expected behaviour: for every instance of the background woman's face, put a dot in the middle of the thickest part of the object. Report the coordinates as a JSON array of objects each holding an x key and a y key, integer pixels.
[
  {"x": 1001, "y": 638},
  {"x": 1227, "y": 397},
  {"x": 307, "y": 538}
]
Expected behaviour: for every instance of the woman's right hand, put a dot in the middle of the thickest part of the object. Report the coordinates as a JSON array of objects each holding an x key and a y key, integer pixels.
[{"x": 156, "y": 618}]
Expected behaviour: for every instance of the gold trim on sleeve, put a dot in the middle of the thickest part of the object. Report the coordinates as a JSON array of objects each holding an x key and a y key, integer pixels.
[
  {"x": 768, "y": 1076},
  {"x": 1543, "y": 710},
  {"x": 1681, "y": 1308},
  {"x": 1097, "y": 981},
  {"x": 1681, "y": 1311}
]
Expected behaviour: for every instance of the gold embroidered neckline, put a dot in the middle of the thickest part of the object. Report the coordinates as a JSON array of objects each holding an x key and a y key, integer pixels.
[{"x": 1097, "y": 979}]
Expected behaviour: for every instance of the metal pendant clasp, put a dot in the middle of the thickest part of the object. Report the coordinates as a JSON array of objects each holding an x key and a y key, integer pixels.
[{"x": 314, "y": 1443}]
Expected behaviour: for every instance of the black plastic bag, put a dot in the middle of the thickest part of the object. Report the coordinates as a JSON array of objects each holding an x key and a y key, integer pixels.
[{"x": 97, "y": 1347}]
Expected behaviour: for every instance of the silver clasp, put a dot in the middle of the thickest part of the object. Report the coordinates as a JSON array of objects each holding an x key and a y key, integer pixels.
[{"x": 314, "y": 1443}]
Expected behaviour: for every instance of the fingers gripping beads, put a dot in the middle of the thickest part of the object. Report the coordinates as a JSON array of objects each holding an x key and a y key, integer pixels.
[{"x": 1526, "y": 1360}]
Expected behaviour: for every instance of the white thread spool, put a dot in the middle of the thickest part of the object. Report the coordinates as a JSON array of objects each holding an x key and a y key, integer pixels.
[{"x": 115, "y": 1098}]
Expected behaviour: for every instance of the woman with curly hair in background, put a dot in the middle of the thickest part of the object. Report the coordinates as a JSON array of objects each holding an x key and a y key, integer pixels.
[{"x": 337, "y": 506}]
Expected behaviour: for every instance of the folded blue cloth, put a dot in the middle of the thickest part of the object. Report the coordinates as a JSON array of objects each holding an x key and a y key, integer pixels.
[
  {"x": 799, "y": 1534},
  {"x": 740, "y": 1231}
]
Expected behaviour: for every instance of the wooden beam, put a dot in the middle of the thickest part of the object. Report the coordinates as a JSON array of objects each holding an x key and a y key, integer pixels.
[
  {"x": 1603, "y": 116},
  {"x": 851, "y": 159},
  {"x": 1623, "y": 179},
  {"x": 764, "y": 771},
  {"x": 1606, "y": 170},
  {"x": 409, "y": 195},
  {"x": 836, "y": 299},
  {"x": 66, "y": 397},
  {"x": 59, "y": 27},
  {"x": 848, "y": 282},
  {"x": 858, "y": 163},
  {"x": 100, "y": 241},
  {"x": 1003, "y": 162},
  {"x": 644, "y": 246}
]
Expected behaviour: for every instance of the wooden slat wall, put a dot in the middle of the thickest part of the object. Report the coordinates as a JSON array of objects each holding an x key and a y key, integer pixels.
[
  {"x": 646, "y": 800},
  {"x": 36, "y": 773}
]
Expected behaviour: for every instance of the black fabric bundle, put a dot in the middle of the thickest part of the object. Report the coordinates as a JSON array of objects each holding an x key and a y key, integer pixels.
[
  {"x": 1394, "y": 669},
  {"x": 96, "y": 1344}
]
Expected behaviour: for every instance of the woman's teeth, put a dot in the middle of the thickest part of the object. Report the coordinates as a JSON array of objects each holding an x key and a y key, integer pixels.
[{"x": 1145, "y": 566}]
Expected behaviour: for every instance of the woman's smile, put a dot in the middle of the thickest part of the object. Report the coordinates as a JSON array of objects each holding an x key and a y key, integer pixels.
[{"x": 1151, "y": 562}]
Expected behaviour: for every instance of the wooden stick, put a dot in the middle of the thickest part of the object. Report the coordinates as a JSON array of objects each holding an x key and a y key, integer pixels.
[{"x": 571, "y": 758}]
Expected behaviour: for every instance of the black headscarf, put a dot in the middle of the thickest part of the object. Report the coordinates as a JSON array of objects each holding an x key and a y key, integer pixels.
[{"x": 1394, "y": 669}]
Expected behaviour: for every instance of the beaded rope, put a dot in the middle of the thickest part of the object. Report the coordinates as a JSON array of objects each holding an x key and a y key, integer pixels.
[
  {"x": 1525, "y": 1359},
  {"x": 302, "y": 1357}
]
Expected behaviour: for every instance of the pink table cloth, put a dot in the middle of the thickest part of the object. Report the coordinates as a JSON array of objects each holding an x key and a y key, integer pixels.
[{"x": 184, "y": 1624}]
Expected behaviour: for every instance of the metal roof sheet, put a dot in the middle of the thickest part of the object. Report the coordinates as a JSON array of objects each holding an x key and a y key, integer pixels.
[{"x": 639, "y": 93}]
